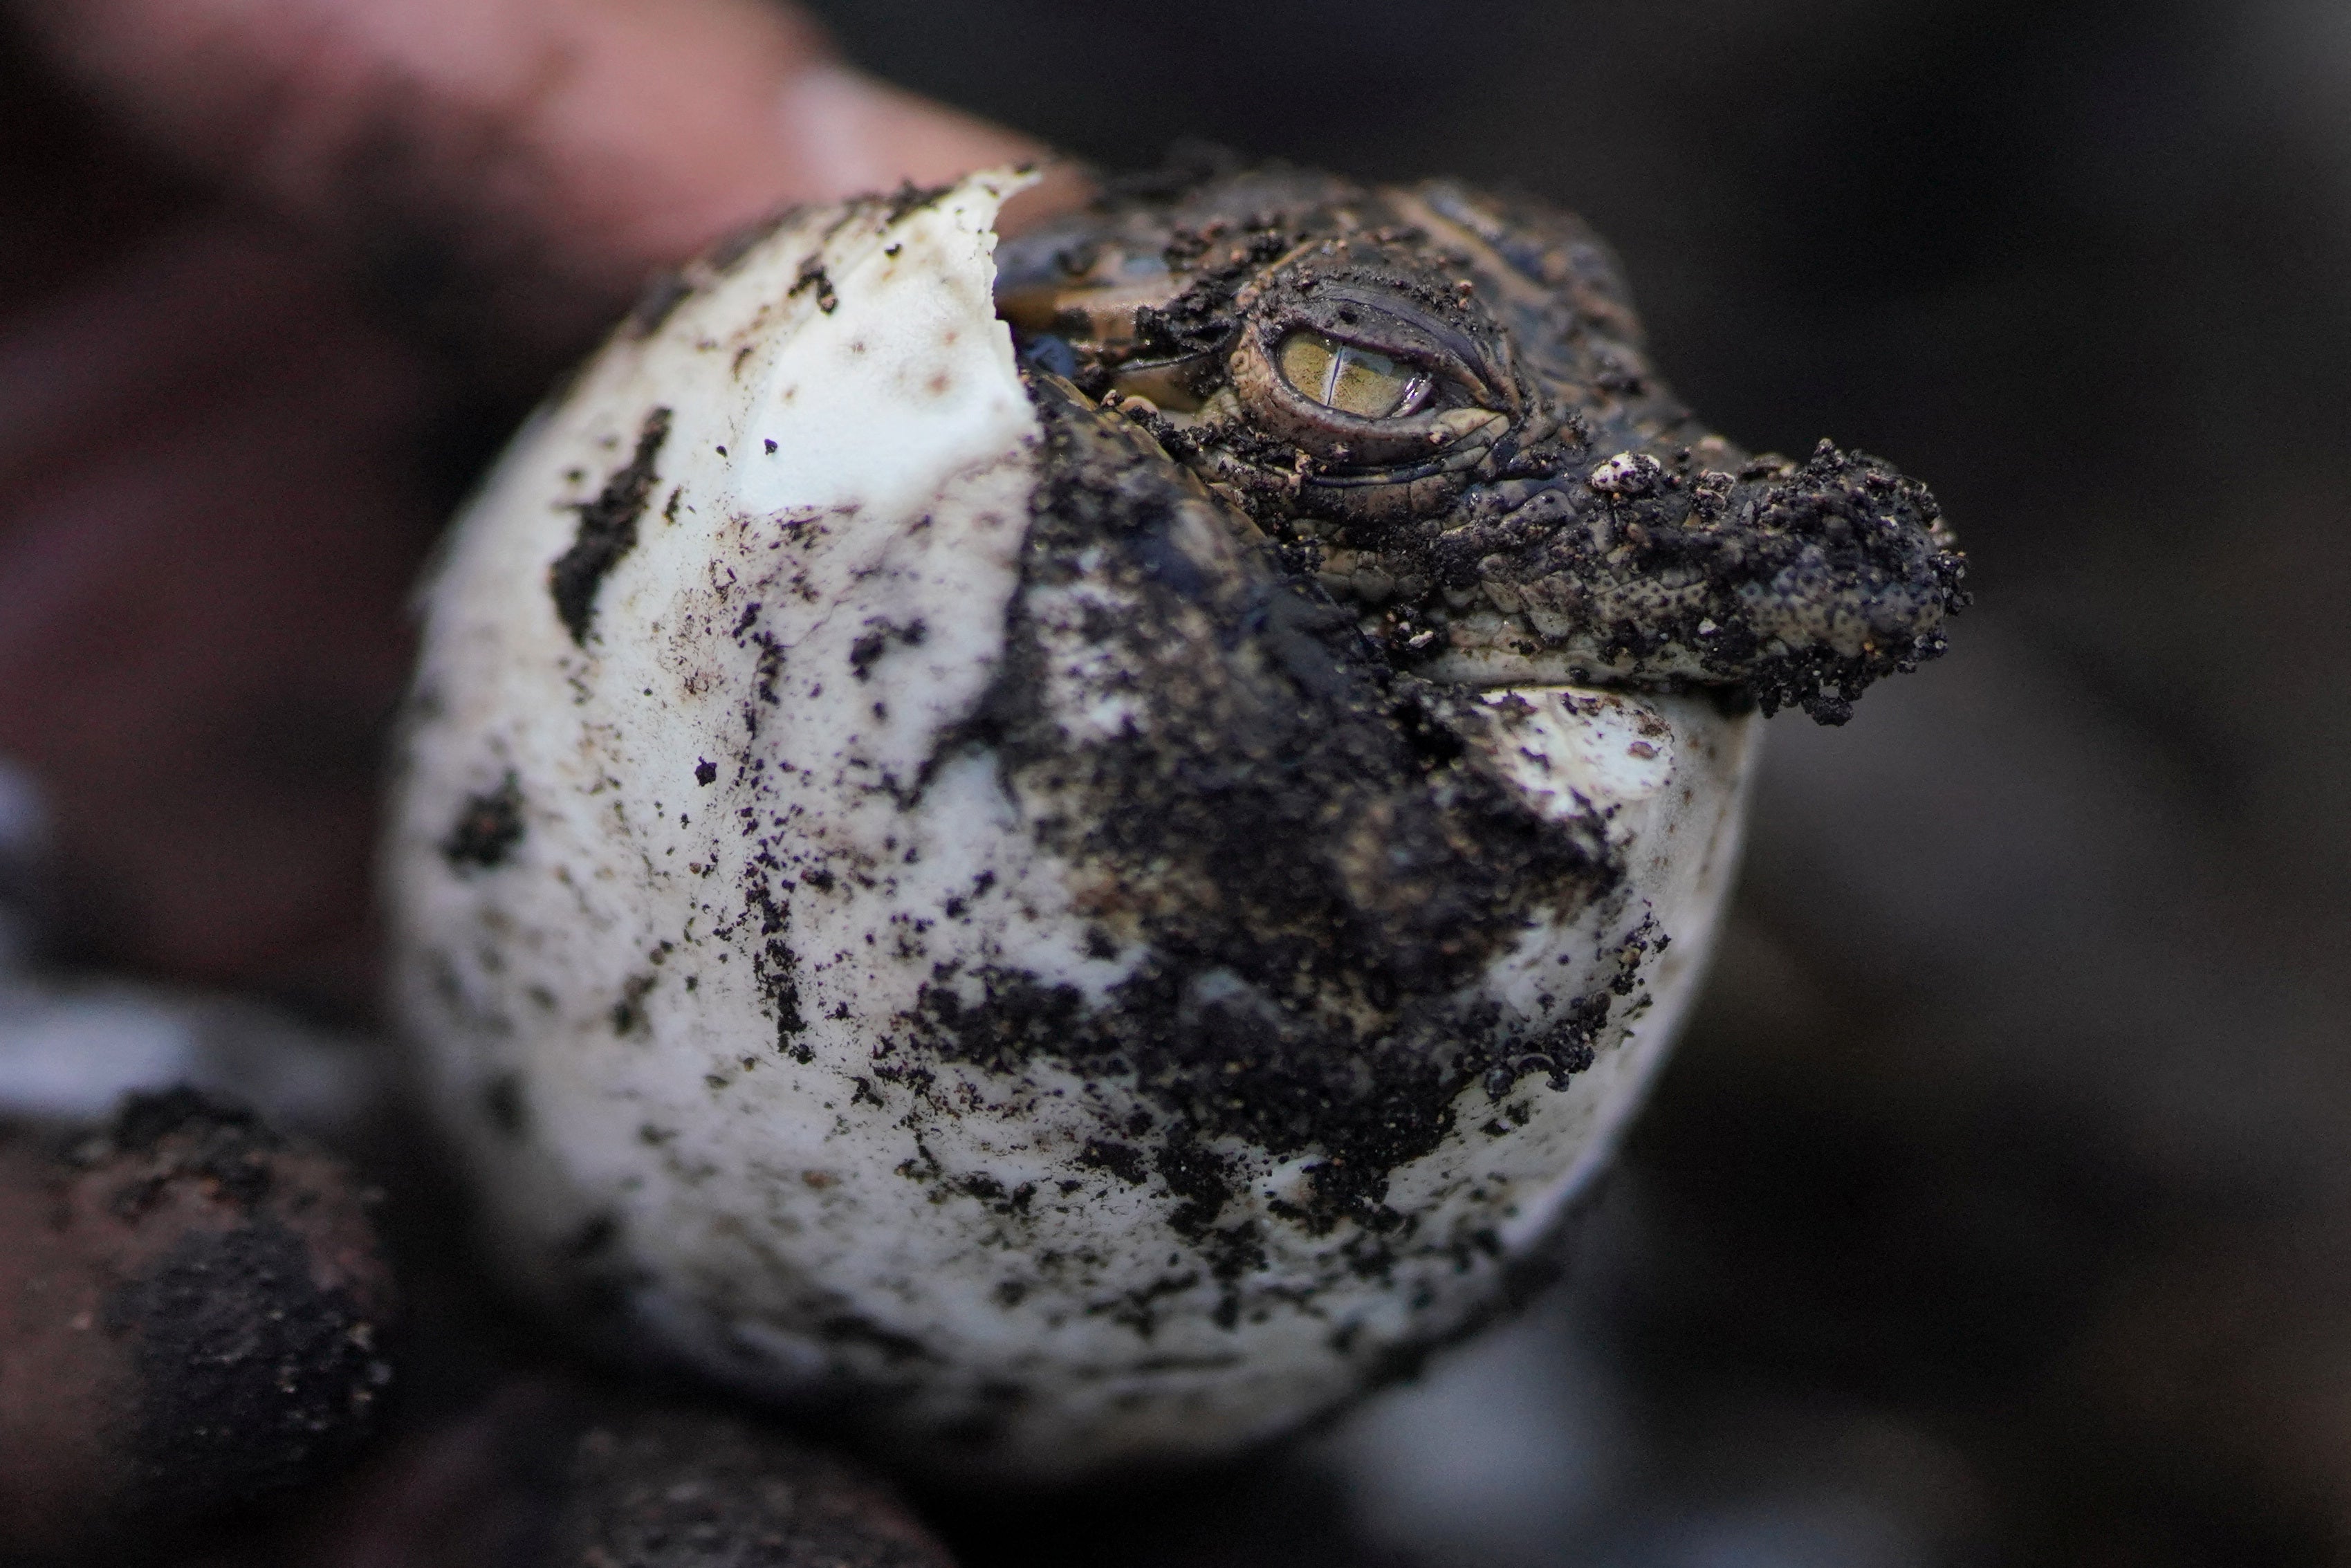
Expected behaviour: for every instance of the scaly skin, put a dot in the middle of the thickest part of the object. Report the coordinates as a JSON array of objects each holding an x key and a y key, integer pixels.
[{"x": 1549, "y": 512}]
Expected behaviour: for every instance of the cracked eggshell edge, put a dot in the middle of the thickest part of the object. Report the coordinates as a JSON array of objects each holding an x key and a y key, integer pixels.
[{"x": 841, "y": 310}]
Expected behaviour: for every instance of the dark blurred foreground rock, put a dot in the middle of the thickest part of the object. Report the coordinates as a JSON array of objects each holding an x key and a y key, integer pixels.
[
  {"x": 542, "y": 1475},
  {"x": 191, "y": 1314}
]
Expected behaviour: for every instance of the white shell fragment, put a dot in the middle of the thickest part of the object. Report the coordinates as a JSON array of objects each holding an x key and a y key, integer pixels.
[{"x": 893, "y": 911}]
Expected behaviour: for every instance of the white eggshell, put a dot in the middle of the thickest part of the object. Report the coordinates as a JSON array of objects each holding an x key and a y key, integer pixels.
[{"x": 696, "y": 842}]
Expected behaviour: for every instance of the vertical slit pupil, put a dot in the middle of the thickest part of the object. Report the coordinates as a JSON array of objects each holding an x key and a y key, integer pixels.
[{"x": 1341, "y": 376}]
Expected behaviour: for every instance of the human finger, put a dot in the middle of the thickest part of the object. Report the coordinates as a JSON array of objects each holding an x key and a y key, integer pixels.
[{"x": 515, "y": 165}]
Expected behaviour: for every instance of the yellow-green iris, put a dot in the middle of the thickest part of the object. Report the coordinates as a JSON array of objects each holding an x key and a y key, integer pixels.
[{"x": 1343, "y": 377}]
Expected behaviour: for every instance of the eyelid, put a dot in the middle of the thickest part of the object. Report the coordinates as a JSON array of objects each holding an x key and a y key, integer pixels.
[{"x": 1348, "y": 314}]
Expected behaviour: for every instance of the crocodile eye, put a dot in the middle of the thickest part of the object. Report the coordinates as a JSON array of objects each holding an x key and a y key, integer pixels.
[{"x": 1351, "y": 379}]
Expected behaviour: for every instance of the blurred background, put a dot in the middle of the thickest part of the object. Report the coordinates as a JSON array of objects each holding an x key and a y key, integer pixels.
[{"x": 1997, "y": 1207}]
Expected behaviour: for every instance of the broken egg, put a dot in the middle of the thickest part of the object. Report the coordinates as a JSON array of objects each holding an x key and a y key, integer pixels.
[{"x": 1079, "y": 853}]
